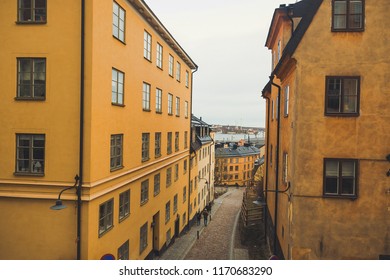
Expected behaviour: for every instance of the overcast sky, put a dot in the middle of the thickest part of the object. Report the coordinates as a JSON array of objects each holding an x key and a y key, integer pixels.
[{"x": 226, "y": 39}]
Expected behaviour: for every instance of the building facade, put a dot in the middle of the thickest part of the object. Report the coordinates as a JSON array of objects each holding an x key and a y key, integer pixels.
[
  {"x": 234, "y": 164},
  {"x": 97, "y": 99},
  {"x": 202, "y": 164},
  {"x": 327, "y": 143}
]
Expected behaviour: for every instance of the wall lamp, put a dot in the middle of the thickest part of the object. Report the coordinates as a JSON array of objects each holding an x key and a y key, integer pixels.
[{"x": 59, "y": 205}]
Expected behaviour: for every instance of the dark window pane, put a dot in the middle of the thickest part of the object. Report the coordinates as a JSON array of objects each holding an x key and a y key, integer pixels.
[
  {"x": 348, "y": 186},
  {"x": 331, "y": 186}
]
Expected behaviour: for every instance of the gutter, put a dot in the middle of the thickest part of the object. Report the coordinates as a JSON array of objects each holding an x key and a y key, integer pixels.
[
  {"x": 81, "y": 143},
  {"x": 277, "y": 164},
  {"x": 189, "y": 162}
]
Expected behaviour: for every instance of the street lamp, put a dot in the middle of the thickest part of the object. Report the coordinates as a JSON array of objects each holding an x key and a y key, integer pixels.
[{"x": 59, "y": 205}]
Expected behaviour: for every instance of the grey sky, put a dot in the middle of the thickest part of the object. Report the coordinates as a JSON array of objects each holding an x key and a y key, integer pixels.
[{"x": 226, "y": 40}]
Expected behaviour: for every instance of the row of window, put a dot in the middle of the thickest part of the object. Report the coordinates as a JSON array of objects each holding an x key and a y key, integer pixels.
[
  {"x": 106, "y": 220},
  {"x": 118, "y": 81},
  {"x": 30, "y": 151},
  {"x": 116, "y": 148},
  {"x": 118, "y": 31}
]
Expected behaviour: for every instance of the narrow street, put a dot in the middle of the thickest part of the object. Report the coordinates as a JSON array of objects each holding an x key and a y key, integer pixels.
[{"x": 217, "y": 239}]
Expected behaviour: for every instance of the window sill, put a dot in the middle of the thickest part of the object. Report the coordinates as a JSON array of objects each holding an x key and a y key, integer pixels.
[
  {"x": 337, "y": 196},
  {"x": 124, "y": 218},
  {"x": 342, "y": 115},
  {"x": 104, "y": 232},
  {"x": 347, "y": 30},
  {"x": 118, "y": 104},
  {"x": 30, "y": 99},
  {"x": 116, "y": 168},
  {"x": 29, "y": 174},
  {"x": 159, "y": 112},
  {"x": 119, "y": 40},
  {"x": 31, "y": 22},
  {"x": 145, "y": 159},
  {"x": 146, "y": 110},
  {"x": 144, "y": 202}
]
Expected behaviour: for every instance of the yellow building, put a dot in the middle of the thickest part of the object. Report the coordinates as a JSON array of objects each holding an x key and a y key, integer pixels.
[
  {"x": 234, "y": 164},
  {"x": 202, "y": 164},
  {"x": 96, "y": 97},
  {"x": 328, "y": 146}
]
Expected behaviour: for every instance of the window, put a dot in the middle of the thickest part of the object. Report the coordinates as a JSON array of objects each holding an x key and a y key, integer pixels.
[
  {"x": 187, "y": 78},
  {"x": 157, "y": 144},
  {"x": 279, "y": 49},
  {"x": 186, "y": 109},
  {"x": 342, "y": 96},
  {"x": 143, "y": 240},
  {"x": 158, "y": 100},
  {"x": 169, "y": 143},
  {"x": 185, "y": 139},
  {"x": 30, "y": 154},
  {"x": 170, "y": 69},
  {"x": 156, "y": 184},
  {"x": 185, "y": 167},
  {"x": 31, "y": 78},
  {"x": 145, "y": 146},
  {"x": 118, "y": 79},
  {"x": 178, "y": 71},
  {"x": 167, "y": 211},
  {"x": 177, "y": 106},
  {"x": 175, "y": 204},
  {"x": 348, "y": 15},
  {"x": 168, "y": 180},
  {"x": 286, "y": 100},
  {"x": 123, "y": 251},
  {"x": 168, "y": 237},
  {"x": 146, "y": 97},
  {"x": 118, "y": 22},
  {"x": 176, "y": 172},
  {"x": 340, "y": 177},
  {"x": 124, "y": 205},
  {"x": 116, "y": 151},
  {"x": 176, "y": 141},
  {"x": 272, "y": 110},
  {"x": 105, "y": 216},
  {"x": 159, "y": 56},
  {"x": 144, "y": 192},
  {"x": 32, "y": 11},
  {"x": 184, "y": 194},
  {"x": 147, "y": 46},
  {"x": 170, "y": 104}
]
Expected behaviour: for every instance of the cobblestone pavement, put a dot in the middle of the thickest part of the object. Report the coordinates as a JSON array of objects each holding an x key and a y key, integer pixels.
[{"x": 217, "y": 239}]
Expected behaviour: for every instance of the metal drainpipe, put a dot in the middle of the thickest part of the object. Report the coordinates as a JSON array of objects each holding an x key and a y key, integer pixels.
[
  {"x": 266, "y": 162},
  {"x": 277, "y": 165},
  {"x": 81, "y": 143},
  {"x": 189, "y": 169}
]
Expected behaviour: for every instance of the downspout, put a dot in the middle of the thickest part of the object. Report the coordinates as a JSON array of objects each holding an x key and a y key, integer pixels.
[
  {"x": 276, "y": 164},
  {"x": 189, "y": 169},
  {"x": 81, "y": 143},
  {"x": 266, "y": 162}
]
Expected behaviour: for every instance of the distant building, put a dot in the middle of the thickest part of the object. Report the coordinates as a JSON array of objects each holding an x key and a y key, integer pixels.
[
  {"x": 97, "y": 97},
  {"x": 234, "y": 164},
  {"x": 328, "y": 140},
  {"x": 202, "y": 163}
]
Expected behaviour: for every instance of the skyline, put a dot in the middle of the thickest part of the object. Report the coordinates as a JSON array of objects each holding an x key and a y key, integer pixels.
[{"x": 234, "y": 64}]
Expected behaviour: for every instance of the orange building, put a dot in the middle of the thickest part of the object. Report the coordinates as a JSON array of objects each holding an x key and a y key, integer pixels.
[
  {"x": 96, "y": 108},
  {"x": 327, "y": 144}
]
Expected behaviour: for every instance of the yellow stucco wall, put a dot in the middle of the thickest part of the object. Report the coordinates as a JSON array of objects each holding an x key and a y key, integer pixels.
[{"x": 329, "y": 228}]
